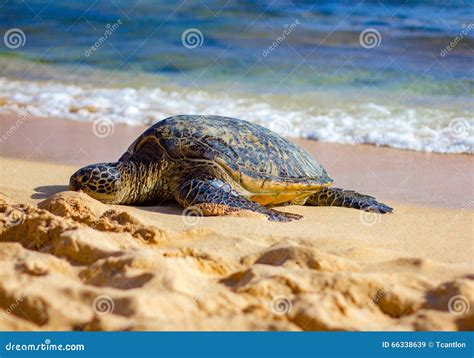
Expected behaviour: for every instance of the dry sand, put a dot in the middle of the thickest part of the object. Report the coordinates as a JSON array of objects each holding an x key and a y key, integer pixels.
[{"x": 70, "y": 262}]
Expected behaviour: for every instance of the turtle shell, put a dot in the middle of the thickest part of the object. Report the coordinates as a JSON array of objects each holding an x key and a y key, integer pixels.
[{"x": 258, "y": 159}]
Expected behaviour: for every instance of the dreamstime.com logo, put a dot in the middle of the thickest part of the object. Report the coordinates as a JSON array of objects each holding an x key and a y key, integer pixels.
[
  {"x": 375, "y": 299},
  {"x": 192, "y": 216},
  {"x": 14, "y": 38},
  {"x": 14, "y": 305},
  {"x": 369, "y": 218},
  {"x": 46, "y": 346},
  {"x": 465, "y": 30},
  {"x": 10, "y": 131},
  {"x": 459, "y": 305},
  {"x": 281, "y": 126},
  {"x": 370, "y": 38},
  {"x": 14, "y": 217},
  {"x": 286, "y": 32},
  {"x": 103, "y": 305},
  {"x": 109, "y": 30},
  {"x": 281, "y": 305},
  {"x": 192, "y": 38},
  {"x": 459, "y": 128},
  {"x": 103, "y": 127}
]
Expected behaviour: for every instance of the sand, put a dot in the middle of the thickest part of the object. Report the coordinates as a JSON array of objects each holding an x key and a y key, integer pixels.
[{"x": 69, "y": 262}]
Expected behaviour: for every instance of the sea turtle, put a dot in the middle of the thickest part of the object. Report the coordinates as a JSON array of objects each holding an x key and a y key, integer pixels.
[{"x": 217, "y": 165}]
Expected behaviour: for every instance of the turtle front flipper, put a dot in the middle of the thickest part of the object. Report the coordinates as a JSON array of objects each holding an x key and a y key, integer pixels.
[
  {"x": 348, "y": 199},
  {"x": 213, "y": 197}
]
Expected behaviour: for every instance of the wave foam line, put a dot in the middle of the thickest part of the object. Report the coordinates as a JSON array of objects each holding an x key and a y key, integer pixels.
[{"x": 420, "y": 129}]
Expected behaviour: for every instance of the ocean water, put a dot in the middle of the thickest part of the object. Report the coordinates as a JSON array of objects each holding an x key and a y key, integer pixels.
[{"x": 383, "y": 73}]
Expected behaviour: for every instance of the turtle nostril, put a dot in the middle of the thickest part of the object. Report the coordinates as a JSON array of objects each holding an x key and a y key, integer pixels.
[{"x": 74, "y": 184}]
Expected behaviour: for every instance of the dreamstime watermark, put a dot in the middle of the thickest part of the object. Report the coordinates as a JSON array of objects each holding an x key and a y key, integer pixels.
[
  {"x": 370, "y": 38},
  {"x": 460, "y": 213},
  {"x": 103, "y": 127},
  {"x": 14, "y": 305},
  {"x": 281, "y": 126},
  {"x": 109, "y": 30},
  {"x": 14, "y": 38},
  {"x": 13, "y": 217},
  {"x": 44, "y": 346},
  {"x": 369, "y": 218},
  {"x": 192, "y": 38},
  {"x": 459, "y": 128},
  {"x": 465, "y": 30},
  {"x": 459, "y": 305},
  {"x": 13, "y": 128},
  {"x": 376, "y": 298},
  {"x": 281, "y": 305},
  {"x": 286, "y": 32},
  {"x": 192, "y": 216},
  {"x": 103, "y": 305}
]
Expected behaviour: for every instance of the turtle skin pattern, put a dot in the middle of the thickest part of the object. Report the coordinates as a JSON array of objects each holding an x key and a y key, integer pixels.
[
  {"x": 214, "y": 197},
  {"x": 243, "y": 148},
  {"x": 254, "y": 159},
  {"x": 348, "y": 199}
]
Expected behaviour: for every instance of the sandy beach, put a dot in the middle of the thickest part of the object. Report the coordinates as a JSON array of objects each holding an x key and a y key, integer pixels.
[{"x": 69, "y": 262}]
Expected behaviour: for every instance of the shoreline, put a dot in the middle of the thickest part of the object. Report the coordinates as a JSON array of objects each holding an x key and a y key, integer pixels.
[
  {"x": 409, "y": 177},
  {"x": 156, "y": 268}
]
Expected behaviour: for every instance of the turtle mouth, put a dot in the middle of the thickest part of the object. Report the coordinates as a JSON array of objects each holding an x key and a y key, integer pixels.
[
  {"x": 78, "y": 180},
  {"x": 74, "y": 185}
]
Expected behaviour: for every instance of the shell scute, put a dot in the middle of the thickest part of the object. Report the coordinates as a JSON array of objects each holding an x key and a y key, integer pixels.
[{"x": 259, "y": 159}]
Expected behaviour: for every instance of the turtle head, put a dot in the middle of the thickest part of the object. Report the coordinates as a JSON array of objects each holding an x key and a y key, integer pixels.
[{"x": 102, "y": 181}]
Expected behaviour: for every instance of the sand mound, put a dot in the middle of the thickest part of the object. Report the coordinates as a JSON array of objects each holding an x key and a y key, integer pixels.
[{"x": 72, "y": 263}]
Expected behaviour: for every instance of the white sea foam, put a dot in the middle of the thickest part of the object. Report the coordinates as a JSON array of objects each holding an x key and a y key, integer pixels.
[{"x": 414, "y": 128}]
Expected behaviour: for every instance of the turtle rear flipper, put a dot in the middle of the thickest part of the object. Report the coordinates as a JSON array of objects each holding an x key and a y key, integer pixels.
[
  {"x": 348, "y": 199},
  {"x": 213, "y": 197}
]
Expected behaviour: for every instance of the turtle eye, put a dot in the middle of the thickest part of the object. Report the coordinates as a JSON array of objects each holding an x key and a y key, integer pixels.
[{"x": 84, "y": 176}]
